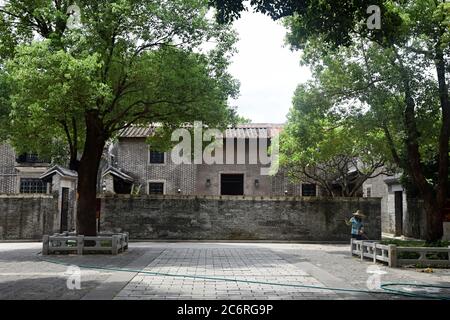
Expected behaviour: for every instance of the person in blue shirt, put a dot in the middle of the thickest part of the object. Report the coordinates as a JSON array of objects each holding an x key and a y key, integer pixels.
[{"x": 357, "y": 225}]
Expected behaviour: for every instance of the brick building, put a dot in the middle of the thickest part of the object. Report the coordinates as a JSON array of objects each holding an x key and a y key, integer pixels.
[
  {"x": 401, "y": 214},
  {"x": 135, "y": 163},
  {"x": 25, "y": 176},
  {"x": 132, "y": 166},
  {"x": 21, "y": 173}
]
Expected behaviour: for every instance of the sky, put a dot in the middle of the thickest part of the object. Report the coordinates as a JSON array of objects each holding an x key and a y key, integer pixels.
[{"x": 267, "y": 69}]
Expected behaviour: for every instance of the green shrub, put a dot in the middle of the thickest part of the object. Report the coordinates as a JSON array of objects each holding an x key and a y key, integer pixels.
[{"x": 106, "y": 243}]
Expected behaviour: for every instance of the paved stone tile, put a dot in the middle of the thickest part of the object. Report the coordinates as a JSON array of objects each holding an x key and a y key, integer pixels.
[
  {"x": 24, "y": 276},
  {"x": 262, "y": 268},
  {"x": 181, "y": 266}
]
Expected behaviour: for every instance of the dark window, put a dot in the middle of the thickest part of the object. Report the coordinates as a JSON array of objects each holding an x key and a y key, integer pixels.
[
  {"x": 232, "y": 184},
  {"x": 121, "y": 186},
  {"x": 156, "y": 157},
  {"x": 32, "y": 186},
  {"x": 368, "y": 192},
  {"x": 64, "y": 209},
  {"x": 308, "y": 190},
  {"x": 156, "y": 188},
  {"x": 29, "y": 158}
]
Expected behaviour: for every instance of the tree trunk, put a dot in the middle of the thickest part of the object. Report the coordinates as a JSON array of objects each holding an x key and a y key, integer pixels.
[
  {"x": 87, "y": 176},
  {"x": 432, "y": 207},
  {"x": 441, "y": 197},
  {"x": 415, "y": 168},
  {"x": 434, "y": 230},
  {"x": 74, "y": 163},
  {"x": 413, "y": 165}
]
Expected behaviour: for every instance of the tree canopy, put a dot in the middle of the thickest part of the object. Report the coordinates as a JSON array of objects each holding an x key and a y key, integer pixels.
[
  {"x": 404, "y": 75},
  {"x": 323, "y": 146},
  {"x": 127, "y": 62},
  {"x": 130, "y": 61},
  {"x": 399, "y": 77}
]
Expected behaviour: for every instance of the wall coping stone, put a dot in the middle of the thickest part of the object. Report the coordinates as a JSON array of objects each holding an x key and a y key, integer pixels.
[
  {"x": 26, "y": 196},
  {"x": 238, "y": 198}
]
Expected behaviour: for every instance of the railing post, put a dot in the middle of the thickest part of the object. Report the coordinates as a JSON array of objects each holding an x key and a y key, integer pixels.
[
  {"x": 120, "y": 242},
  {"x": 45, "y": 245},
  {"x": 374, "y": 251},
  {"x": 422, "y": 255},
  {"x": 392, "y": 252},
  {"x": 124, "y": 241},
  {"x": 362, "y": 250},
  {"x": 114, "y": 245},
  {"x": 80, "y": 244}
]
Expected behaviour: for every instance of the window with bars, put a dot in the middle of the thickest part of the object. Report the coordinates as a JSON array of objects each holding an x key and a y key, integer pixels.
[
  {"x": 32, "y": 185},
  {"x": 156, "y": 157},
  {"x": 309, "y": 190},
  {"x": 156, "y": 188}
]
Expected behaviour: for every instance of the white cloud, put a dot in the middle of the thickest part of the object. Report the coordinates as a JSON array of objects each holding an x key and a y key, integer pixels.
[{"x": 268, "y": 71}]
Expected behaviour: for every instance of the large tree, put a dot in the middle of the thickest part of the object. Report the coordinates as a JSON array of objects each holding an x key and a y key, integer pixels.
[
  {"x": 325, "y": 144},
  {"x": 409, "y": 29},
  {"x": 129, "y": 62},
  {"x": 412, "y": 47},
  {"x": 5, "y": 106}
]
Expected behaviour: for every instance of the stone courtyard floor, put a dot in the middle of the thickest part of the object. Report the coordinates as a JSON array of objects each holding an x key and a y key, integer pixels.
[{"x": 184, "y": 271}]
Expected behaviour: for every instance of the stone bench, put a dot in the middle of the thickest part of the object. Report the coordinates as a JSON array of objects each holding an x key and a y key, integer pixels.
[{"x": 68, "y": 242}]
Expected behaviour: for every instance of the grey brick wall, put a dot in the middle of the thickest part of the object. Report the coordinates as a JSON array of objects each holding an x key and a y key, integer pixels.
[
  {"x": 132, "y": 155},
  {"x": 8, "y": 174},
  {"x": 414, "y": 223},
  {"x": 27, "y": 216},
  {"x": 236, "y": 218},
  {"x": 380, "y": 189}
]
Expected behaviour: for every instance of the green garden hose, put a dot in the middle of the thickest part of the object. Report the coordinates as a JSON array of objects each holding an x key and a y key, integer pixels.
[{"x": 384, "y": 286}]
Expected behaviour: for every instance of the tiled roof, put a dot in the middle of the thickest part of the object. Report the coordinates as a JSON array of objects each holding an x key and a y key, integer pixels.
[
  {"x": 118, "y": 173},
  {"x": 392, "y": 179},
  {"x": 253, "y": 130},
  {"x": 136, "y": 132},
  {"x": 242, "y": 131},
  {"x": 64, "y": 172}
]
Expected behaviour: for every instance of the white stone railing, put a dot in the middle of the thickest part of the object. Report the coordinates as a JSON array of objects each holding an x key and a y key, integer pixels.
[
  {"x": 423, "y": 253},
  {"x": 112, "y": 243},
  {"x": 390, "y": 253},
  {"x": 373, "y": 250}
]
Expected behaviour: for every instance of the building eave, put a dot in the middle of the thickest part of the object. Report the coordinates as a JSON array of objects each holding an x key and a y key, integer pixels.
[
  {"x": 117, "y": 173},
  {"x": 63, "y": 172}
]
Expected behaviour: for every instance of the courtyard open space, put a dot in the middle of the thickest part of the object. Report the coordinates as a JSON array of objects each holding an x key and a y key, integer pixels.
[{"x": 200, "y": 271}]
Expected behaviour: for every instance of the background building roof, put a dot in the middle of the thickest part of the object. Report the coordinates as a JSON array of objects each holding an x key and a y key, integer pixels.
[
  {"x": 241, "y": 131},
  {"x": 117, "y": 173},
  {"x": 136, "y": 132},
  {"x": 63, "y": 172}
]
